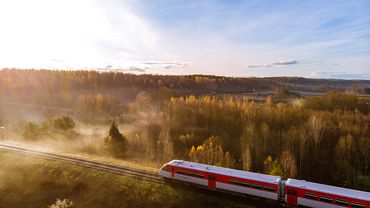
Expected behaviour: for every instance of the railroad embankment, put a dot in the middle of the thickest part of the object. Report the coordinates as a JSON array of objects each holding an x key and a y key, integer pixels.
[{"x": 37, "y": 182}]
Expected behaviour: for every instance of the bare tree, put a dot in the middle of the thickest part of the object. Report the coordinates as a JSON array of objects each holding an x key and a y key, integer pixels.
[
  {"x": 302, "y": 146},
  {"x": 247, "y": 158},
  {"x": 344, "y": 149},
  {"x": 317, "y": 126},
  {"x": 289, "y": 164}
]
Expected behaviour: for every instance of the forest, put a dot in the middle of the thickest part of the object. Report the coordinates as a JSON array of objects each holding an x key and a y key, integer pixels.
[{"x": 323, "y": 138}]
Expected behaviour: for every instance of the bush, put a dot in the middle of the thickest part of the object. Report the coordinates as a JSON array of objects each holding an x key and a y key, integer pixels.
[
  {"x": 65, "y": 203},
  {"x": 65, "y": 124}
]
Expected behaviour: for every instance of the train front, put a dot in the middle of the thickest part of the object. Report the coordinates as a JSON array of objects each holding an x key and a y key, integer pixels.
[{"x": 165, "y": 171}]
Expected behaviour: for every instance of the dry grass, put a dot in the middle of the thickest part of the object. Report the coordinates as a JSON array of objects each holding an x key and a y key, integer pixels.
[{"x": 35, "y": 182}]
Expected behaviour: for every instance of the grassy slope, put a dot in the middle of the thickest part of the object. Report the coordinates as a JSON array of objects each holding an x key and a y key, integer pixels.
[{"x": 35, "y": 182}]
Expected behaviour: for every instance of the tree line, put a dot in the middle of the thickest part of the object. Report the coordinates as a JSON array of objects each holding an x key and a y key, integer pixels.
[{"x": 62, "y": 88}]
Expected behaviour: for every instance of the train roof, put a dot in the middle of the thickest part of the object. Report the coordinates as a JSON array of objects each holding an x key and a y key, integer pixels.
[
  {"x": 226, "y": 171},
  {"x": 329, "y": 189}
]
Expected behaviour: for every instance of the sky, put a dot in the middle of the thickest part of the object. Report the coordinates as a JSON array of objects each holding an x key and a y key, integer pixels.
[{"x": 259, "y": 38}]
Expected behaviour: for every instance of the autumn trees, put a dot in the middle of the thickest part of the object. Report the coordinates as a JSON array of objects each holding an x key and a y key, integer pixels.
[
  {"x": 189, "y": 117},
  {"x": 212, "y": 153},
  {"x": 32, "y": 131},
  {"x": 56, "y": 127},
  {"x": 62, "y": 88},
  {"x": 65, "y": 124},
  {"x": 97, "y": 108},
  {"x": 283, "y": 93},
  {"x": 285, "y": 139},
  {"x": 337, "y": 101},
  {"x": 289, "y": 165},
  {"x": 282, "y": 139},
  {"x": 352, "y": 159}
]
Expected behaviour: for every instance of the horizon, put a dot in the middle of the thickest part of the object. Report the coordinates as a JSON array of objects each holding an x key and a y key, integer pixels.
[
  {"x": 232, "y": 39},
  {"x": 205, "y": 75}
]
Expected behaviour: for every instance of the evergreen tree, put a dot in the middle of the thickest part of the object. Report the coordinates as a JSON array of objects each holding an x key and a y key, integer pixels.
[
  {"x": 116, "y": 141},
  {"x": 114, "y": 135}
]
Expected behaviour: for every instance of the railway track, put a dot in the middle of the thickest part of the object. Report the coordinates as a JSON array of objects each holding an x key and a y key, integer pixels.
[
  {"x": 123, "y": 170},
  {"x": 135, "y": 173}
]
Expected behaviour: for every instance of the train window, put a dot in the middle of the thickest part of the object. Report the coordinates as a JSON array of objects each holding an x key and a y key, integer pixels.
[
  {"x": 195, "y": 175},
  {"x": 341, "y": 202},
  {"x": 357, "y": 205},
  {"x": 256, "y": 186},
  {"x": 311, "y": 196},
  {"x": 245, "y": 184},
  {"x": 212, "y": 177},
  {"x": 269, "y": 188},
  {"x": 190, "y": 174},
  {"x": 181, "y": 172},
  {"x": 234, "y": 182},
  {"x": 173, "y": 169},
  {"x": 292, "y": 192},
  {"x": 165, "y": 168},
  {"x": 326, "y": 199}
]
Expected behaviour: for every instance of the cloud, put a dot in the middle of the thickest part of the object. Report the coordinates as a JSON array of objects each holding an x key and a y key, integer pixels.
[
  {"x": 286, "y": 62},
  {"x": 144, "y": 66},
  {"x": 109, "y": 67},
  {"x": 135, "y": 69},
  {"x": 279, "y": 63},
  {"x": 122, "y": 69},
  {"x": 166, "y": 65},
  {"x": 317, "y": 63}
]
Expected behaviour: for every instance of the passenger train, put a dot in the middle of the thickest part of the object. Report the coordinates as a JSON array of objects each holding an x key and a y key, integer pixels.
[{"x": 291, "y": 192}]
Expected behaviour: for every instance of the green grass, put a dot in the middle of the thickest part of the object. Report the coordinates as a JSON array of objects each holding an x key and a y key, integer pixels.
[{"x": 27, "y": 181}]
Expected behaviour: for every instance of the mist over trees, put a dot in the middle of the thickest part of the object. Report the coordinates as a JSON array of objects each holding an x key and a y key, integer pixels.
[
  {"x": 208, "y": 119},
  {"x": 57, "y": 127},
  {"x": 97, "y": 108},
  {"x": 66, "y": 124}
]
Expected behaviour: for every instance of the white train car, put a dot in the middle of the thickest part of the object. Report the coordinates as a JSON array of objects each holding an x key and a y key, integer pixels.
[
  {"x": 213, "y": 177},
  {"x": 308, "y": 194}
]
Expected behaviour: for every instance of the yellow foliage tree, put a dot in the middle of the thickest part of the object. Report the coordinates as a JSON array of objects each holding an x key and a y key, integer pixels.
[{"x": 210, "y": 152}]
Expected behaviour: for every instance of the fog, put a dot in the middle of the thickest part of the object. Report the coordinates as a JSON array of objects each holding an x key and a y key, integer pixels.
[{"x": 84, "y": 140}]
